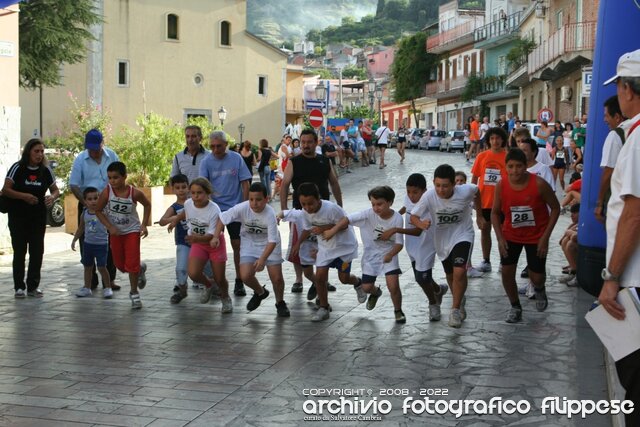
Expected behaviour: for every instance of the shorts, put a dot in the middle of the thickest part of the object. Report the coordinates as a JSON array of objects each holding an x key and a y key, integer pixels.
[
  {"x": 233, "y": 228},
  {"x": 372, "y": 279},
  {"x": 125, "y": 251},
  {"x": 534, "y": 262},
  {"x": 368, "y": 143},
  {"x": 340, "y": 265},
  {"x": 381, "y": 145},
  {"x": 458, "y": 257},
  {"x": 362, "y": 146},
  {"x": 422, "y": 277},
  {"x": 252, "y": 259},
  {"x": 91, "y": 252},
  {"x": 486, "y": 214},
  {"x": 206, "y": 252},
  {"x": 346, "y": 145}
]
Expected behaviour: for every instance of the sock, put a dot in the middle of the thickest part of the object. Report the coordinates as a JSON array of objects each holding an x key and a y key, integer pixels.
[{"x": 516, "y": 305}]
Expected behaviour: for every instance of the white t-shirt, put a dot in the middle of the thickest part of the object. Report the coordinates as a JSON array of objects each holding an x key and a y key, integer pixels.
[
  {"x": 344, "y": 136},
  {"x": 383, "y": 133},
  {"x": 421, "y": 249},
  {"x": 451, "y": 218},
  {"x": 611, "y": 150},
  {"x": 201, "y": 221},
  {"x": 309, "y": 247},
  {"x": 371, "y": 227},
  {"x": 343, "y": 245},
  {"x": 256, "y": 231},
  {"x": 544, "y": 157},
  {"x": 625, "y": 182},
  {"x": 484, "y": 127},
  {"x": 544, "y": 172}
]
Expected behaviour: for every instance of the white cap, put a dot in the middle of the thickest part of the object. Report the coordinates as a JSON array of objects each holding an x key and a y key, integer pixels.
[{"x": 628, "y": 66}]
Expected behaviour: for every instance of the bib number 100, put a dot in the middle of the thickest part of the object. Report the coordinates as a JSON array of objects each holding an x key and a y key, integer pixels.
[{"x": 448, "y": 219}]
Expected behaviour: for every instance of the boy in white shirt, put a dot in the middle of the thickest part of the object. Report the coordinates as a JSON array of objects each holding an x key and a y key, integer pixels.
[
  {"x": 259, "y": 246},
  {"x": 322, "y": 215},
  {"x": 449, "y": 206},
  {"x": 380, "y": 255}
]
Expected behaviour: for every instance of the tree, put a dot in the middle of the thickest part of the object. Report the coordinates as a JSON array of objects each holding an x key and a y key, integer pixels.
[
  {"x": 353, "y": 72},
  {"x": 52, "y": 33},
  {"x": 411, "y": 69}
]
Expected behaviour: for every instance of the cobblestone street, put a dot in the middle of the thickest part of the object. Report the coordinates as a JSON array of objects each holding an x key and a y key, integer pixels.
[{"x": 67, "y": 361}]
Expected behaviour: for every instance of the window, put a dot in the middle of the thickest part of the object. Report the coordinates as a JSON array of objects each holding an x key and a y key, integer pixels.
[
  {"x": 172, "y": 26},
  {"x": 502, "y": 65},
  {"x": 262, "y": 85},
  {"x": 123, "y": 73},
  {"x": 225, "y": 33},
  {"x": 559, "y": 20}
]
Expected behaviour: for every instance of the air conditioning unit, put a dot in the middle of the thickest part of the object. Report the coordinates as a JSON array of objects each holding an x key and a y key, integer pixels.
[{"x": 565, "y": 94}]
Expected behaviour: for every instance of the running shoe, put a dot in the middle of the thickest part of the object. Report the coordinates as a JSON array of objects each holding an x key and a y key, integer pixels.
[
  {"x": 84, "y": 292},
  {"x": 136, "y": 303},
  {"x": 107, "y": 293},
  {"x": 227, "y": 305},
  {"x": 142, "y": 276},
  {"x": 400, "y": 317},
  {"x": 373, "y": 299},
  {"x": 312, "y": 292},
  {"x": 296, "y": 288},
  {"x": 256, "y": 299},
  {"x": 515, "y": 315},
  {"x": 474, "y": 273},
  {"x": 455, "y": 318},
  {"x": 434, "y": 312},
  {"x": 238, "y": 289},
  {"x": 541, "y": 299},
  {"x": 362, "y": 295},
  {"x": 320, "y": 315},
  {"x": 485, "y": 267},
  {"x": 282, "y": 309}
]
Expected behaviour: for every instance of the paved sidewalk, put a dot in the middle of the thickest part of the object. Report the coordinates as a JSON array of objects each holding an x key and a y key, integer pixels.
[{"x": 82, "y": 362}]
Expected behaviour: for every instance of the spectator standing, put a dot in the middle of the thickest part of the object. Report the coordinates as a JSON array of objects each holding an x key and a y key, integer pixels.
[{"x": 187, "y": 162}]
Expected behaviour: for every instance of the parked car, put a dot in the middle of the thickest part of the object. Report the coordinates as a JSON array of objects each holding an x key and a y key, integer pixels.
[
  {"x": 533, "y": 130},
  {"x": 453, "y": 141},
  {"x": 414, "y": 137},
  {"x": 55, "y": 214},
  {"x": 432, "y": 139},
  {"x": 392, "y": 140}
]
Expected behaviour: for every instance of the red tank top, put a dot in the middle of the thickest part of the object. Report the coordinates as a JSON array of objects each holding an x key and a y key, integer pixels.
[{"x": 526, "y": 215}]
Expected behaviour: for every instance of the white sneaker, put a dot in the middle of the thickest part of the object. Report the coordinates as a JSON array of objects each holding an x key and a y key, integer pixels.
[
  {"x": 320, "y": 315},
  {"x": 84, "y": 292},
  {"x": 474, "y": 273},
  {"x": 455, "y": 319},
  {"x": 573, "y": 282},
  {"x": 566, "y": 278},
  {"x": 107, "y": 293},
  {"x": 485, "y": 267},
  {"x": 362, "y": 295},
  {"x": 434, "y": 312},
  {"x": 142, "y": 276},
  {"x": 227, "y": 305}
]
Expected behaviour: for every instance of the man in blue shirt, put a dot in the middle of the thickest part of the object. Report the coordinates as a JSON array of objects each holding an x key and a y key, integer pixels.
[
  {"x": 228, "y": 174},
  {"x": 90, "y": 170}
]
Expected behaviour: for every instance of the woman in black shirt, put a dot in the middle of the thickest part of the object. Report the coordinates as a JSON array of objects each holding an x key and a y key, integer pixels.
[{"x": 26, "y": 185}]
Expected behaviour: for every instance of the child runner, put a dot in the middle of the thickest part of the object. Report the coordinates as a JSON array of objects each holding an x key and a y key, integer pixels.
[
  {"x": 488, "y": 170},
  {"x": 124, "y": 226},
  {"x": 202, "y": 215},
  {"x": 523, "y": 199},
  {"x": 450, "y": 207},
  {"x": 322, "y": 215},
  {"x": 259, "y": 247},
  {"x": 461, "y": 178},
  {"x": 420, "y": 246},
  {"x": 560, "y": 155},
  {"x": 94, "y": 246},
  {"x": 380, "y": 255}
]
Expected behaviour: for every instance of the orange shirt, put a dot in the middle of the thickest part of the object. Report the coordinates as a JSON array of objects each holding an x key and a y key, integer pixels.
[
  {"x": 474, "y": 134},
  {"x": 490, "y": 168}
]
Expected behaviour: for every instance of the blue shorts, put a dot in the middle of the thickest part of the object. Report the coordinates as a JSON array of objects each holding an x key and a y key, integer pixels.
[
  {"x": 341, "y": 266},
  {"x": 92, "y": 252}
]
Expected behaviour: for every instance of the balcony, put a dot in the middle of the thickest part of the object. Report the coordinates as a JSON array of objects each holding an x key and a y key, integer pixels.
[
  {"x": 495, "y": 88},
  {"x": 446, "y": 88},
  {"x": 566, "y": 50},
  {"x": 451, "y": 39},
  {"x": 497, "y": 32},
  {"x": 295, "y": 105}
]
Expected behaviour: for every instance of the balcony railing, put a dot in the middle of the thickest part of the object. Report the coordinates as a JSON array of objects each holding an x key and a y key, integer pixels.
[
  {"x": 451, "y": 35},
  {"x": 507, "y": 25},
  {"x": 444, "y": 86},
  {"x": 573, "y": 37},
  {"x": 295, "y": 104}
]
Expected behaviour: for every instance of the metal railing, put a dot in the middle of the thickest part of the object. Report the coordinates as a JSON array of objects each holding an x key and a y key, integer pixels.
[
  {"x": 506, "y": 25},
  {"x": 444, "y": 86},
  {"x": 451, "y": 35},
  {"x": 573, "y": 37}
]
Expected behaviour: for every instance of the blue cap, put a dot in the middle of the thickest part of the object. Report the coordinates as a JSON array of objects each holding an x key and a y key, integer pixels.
[{"x": 93, "y": 140}]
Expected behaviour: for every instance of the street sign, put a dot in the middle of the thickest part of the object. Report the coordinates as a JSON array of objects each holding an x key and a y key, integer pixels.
[
  {"x": 587, "y": 76},
  {"x": 545, "y": 115},
  {"x": 315, "y": 118},
  {"x": 310, "y": 104}
]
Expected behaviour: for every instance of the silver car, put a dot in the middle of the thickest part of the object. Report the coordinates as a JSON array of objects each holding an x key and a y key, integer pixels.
[
  {"x": 453, "y": 141},
  {"x": 432, "y": 139}
]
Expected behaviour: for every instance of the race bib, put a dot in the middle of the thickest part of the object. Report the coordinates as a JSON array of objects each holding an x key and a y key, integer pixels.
[
  {"x": 401, "y": 135},
  {"x": 198, "y": 228},
  {"x": 559, "y": 154},
  {"x": 377, "y": 232},
  {"x": 491, "y": 176},
  {"x": 522, "y": 216},
  {"x": 255, "y": 228},
  {"x": 448, "y": 218},
  {"x": 120, "y": 207}
]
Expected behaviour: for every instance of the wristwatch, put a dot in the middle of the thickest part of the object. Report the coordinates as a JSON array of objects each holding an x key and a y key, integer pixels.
[{"x": 608, "y": 276}]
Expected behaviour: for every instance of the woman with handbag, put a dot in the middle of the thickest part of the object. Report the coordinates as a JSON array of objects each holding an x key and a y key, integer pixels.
[{"x": 26, "y": 185}]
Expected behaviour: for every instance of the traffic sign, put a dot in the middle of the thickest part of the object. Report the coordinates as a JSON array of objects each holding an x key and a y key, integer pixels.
[
  {"x": 315, "y": 118},
  {"x": 545, "y": 115},
  {"x": 310, "y": 104}
]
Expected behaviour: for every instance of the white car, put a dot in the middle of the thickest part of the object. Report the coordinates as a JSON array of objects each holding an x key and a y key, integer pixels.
[
  {"x": 432, "y": 139},
  {"x": 453, "y": 141}
]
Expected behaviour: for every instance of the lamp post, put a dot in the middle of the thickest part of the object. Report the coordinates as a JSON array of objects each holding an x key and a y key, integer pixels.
[
  {"x": 321, "y": 93},
  {"x": 339, "y": 109},
  {"x": 379, "y": 91},
  {"x": 222, "y": 115},
  {"x": 241, "y": 129},
  {"x": 371, "y": 88}
]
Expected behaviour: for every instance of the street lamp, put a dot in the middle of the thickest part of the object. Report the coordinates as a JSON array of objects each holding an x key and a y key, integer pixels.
[
  {"x": 321, "y": 91},
  {"x": 339, "y": 109},
  {"x": 379, "y": 91},
  {"x": 222, "y": 115},
  {"x": 371, "y": 100},
  {"x": 241, "y": 129}
]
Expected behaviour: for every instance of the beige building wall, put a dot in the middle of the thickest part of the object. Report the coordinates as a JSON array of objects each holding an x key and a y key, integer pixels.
[
  {"x": 295, "y": 91},
  {"x": 9, "y": 105},
  {"x": 194, "y": 74}
]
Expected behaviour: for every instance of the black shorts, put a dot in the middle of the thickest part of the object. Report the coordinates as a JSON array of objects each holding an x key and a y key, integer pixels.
[
  {"x": 382, "y": 145},
  {"x": 534, "y": 262},
  {"x": 458, "y": 257},
  {"x": 486, "y": 214},
  {"x": 372, "y": 279},
  {"x": 233, "y": 228},
  {"x": 422, "y": 277}
]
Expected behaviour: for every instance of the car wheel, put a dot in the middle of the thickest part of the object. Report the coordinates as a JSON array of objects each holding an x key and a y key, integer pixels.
[{"x": 55, "y": 214}]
